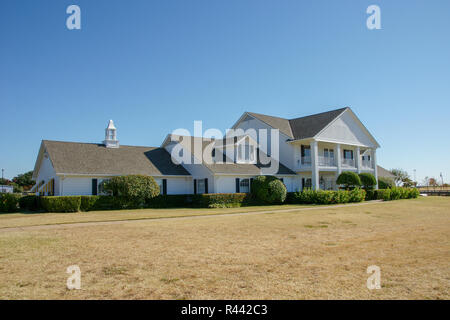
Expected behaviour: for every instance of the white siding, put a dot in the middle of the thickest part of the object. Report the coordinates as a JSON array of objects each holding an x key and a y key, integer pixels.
[
  {"x": 346, "y": 130},
  {"x": 197, "y": 171},
  {"x": 226, "y": 184},
  {"x": 47, "y": 172},
  {"x": 74, "y": 186}
]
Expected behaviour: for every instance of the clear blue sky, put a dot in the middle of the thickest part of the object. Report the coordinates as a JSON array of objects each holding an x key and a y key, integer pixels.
[{"x": 154, "y": 66}]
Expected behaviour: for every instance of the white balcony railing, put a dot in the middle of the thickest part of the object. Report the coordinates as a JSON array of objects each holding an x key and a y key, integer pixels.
[
  {"x": 306, "y": 161},
  {"x": 348, "y": 162},
  {"x": 367, "y": 164},
  {"x": 326, "y": 161}
]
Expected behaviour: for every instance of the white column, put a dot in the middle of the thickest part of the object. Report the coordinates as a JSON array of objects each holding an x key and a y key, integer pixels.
[
  {"x": 358, "y": 159},
  {"x": 375, "y": 170},
  {"x": 315, "y": 165},
  {"x": 338, "y": 159}
]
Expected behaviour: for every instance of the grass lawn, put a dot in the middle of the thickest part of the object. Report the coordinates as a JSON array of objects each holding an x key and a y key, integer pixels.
[
  {"x": 35, "y": 219},
  {"x": 308, "y": 254}
]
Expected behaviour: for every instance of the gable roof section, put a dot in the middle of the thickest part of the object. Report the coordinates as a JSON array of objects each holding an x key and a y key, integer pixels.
[
  {"x": 300, "y": 128},
  {"x": 275, "y": 122},
  {"x": 382, "y": 172},
  {"x": 92, "y": 158},
  {"x": 310, "y": 126}
]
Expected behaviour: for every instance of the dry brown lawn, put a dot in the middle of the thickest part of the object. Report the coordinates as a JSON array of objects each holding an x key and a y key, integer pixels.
[{"x": 310, "y": 254}]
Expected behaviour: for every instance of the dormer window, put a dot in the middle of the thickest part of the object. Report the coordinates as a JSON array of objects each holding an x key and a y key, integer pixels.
[{"x": 246, "y": 152}]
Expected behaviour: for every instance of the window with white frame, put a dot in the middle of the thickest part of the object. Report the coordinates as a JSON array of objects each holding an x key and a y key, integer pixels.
[
  {"x": 328, "y": 153},
  {"x": 246, "y": 152}
]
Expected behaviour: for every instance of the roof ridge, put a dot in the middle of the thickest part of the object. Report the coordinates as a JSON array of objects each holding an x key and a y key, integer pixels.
[
  {"x": 95, "y": 143},
  {"x": 316, "y": 114}
]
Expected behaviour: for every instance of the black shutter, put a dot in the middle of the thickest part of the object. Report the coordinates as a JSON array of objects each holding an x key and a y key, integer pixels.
[
  {"x": 224, "y": 157},
  {"x": 238, "y": 189},
  {"x": 195, "y": 186},
  {"x": 303, "y": 183},
  {"x": 251, "y": 182},
  {"x": 282, "y": 180},
  {"x": 351, "y": 151},
  {"x": 206, "y": 185},
  {"x": 94, "y": 187},
  {"x": 164, "y": 190}
]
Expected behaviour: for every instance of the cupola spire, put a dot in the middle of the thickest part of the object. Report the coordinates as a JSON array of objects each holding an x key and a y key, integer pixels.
[{"x": 111, "y": 136}]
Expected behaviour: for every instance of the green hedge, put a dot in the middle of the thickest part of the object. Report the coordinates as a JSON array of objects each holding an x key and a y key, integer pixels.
[
  {"x": 225, "y": 200},
  {"x": 309, "y": 196},
  {"x": 213, "y": 200},
  {"x": 30, "y": 203},
  {"x": 61, "y": 204},
  {"x": 394, "y": 193},
  {"x": 9, "y": 202}
]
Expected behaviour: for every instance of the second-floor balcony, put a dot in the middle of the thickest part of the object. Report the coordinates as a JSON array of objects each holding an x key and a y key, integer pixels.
[
  {"x": 327, "y": 161},
  {"x": 367, "y": 164},
  {"x": 348, "y": 162}
]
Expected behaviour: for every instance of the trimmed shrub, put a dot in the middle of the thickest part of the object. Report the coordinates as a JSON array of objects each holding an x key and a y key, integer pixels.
[
  {"x": 384, "y": 194},
  {"x": 137, "y": 189},
  {"x": 9, "y": 202},
  {"x": 371, "y": 195},
  {"x": 61, "y": 204},
  {"x": 368, "y": 180},
  {"x": 396, "y": 193},
  {"x": 30, "y": 202},
  {"x": 269, "y": 189},
  {"x": 413, "y": 193},
  {"x": 385, "y": 183},
  {"x": 341, "y": 196},
  {"x": 357, "y": 195},
  {"x": 349, "y": 179}
]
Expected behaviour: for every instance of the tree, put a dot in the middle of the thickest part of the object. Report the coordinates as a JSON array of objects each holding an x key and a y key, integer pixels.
[
  {"x": 408, "y": 183},
  {"x": 269, "y": 189},
  {"x": 4, "y": 182},
  {"x": 24, "y": 180},
  {"x": 134, "y": 188},
  {"x": 368, "y": 180},
  {"x": 400, "y": 176},
  {"x": 349, "y": 179},
  {"x": 432, "y": 182}
]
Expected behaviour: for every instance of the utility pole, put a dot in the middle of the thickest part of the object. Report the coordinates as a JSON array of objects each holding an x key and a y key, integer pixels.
[
  {"x": 415, "y": 177},
  {"x": 442, "y": 180}
]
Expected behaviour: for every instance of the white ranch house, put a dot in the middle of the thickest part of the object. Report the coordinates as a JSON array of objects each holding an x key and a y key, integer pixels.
[{"x": 313, "y": 151}]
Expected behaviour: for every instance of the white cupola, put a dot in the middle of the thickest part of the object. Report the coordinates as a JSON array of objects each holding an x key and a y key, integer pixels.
[{"x": 111, "y": 136}]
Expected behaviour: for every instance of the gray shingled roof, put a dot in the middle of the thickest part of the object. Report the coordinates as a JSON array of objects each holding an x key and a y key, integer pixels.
[
  {"x": 231, "y": 168},
  {"x": 92, "y": 158},
  {"x": 382, "y": 172},
  {"x": 303, "y": 127}
]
